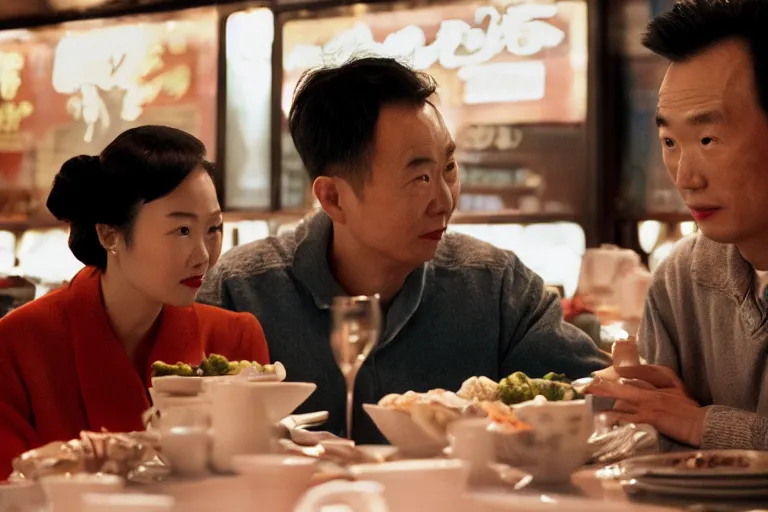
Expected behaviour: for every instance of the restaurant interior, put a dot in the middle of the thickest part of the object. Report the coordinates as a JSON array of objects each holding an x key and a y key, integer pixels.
[
  {"x": 552, "y": 107},
  {"x": 554, "y": 126}
]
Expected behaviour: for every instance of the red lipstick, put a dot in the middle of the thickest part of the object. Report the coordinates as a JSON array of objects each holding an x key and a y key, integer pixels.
[
  {"x": 433, "y": 235},
  {"x": 703, "y": 213},
  {"x": 193, "y": 282}
]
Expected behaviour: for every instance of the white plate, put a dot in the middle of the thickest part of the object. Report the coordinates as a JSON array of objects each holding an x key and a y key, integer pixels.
[
  {"x": 670, "y": 465},
  {"x": 713, "y": 482},
  {"x": 637, "y": 486}
]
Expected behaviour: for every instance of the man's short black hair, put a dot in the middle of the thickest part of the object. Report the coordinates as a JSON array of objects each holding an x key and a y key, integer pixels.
[
  {"x": 335, "y": 110},
  {"x": 693, "y": 26}
]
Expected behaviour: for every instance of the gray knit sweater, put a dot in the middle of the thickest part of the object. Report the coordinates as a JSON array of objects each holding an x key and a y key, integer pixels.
[{"x": 703, "y": 320}]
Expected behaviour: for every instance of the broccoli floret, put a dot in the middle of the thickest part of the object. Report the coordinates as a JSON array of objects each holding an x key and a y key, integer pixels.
[
  {"x": 557, "y": 377},
  {"x": 161, "y": 369},
  {"x": 235, "y": 367},
  {"x": 554, "y": 391},
  {"x": 183, "y": 369},
  {"x": 517, "y": 388},
  {"x": 215, "y": 365}
]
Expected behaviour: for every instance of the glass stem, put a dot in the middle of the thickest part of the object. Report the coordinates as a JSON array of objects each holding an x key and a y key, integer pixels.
[{"x": 350, "y": 380}]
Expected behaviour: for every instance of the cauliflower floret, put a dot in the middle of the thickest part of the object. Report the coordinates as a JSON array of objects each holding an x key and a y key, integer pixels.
[{"x": 481, "y": 389}]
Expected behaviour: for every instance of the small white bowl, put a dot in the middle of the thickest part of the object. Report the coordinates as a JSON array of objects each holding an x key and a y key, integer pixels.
[
  {"x": 556, "y": 447},
  {"x": 400, "y": 430},
  {"x": 418, "y": 484},
  {"x": 177, "y": 385},
  {"x": 186, "y": 450},
  {"x": 275, "y": 482},
  {"x": 282, "y": 398}
]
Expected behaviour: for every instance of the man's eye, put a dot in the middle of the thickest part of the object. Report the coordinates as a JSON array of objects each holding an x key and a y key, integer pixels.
[
  {"x": 184, "y": 231},
  {"x": 425, "y": 178},
  {"x": 706, "y": 141}
]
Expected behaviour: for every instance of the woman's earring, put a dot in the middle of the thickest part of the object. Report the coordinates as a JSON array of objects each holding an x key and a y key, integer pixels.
[{"x": 113, "y": 250}]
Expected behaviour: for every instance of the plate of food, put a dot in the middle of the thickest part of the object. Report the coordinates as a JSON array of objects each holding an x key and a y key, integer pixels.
[
  {"x": 417, "y": 422},
  {"x": 186, "y": 386},
  {"x": 183, "y": 379},
  {"x": 703, "y": 464}
]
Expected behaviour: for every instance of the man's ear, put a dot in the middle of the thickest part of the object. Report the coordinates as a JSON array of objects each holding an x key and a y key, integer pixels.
[{"x": 330, "y": 192}]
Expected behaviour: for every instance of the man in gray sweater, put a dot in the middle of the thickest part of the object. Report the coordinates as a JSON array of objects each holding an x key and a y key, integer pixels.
[
  {"x": 706, "y": 316},
  {"x": 383, "y": 167}
]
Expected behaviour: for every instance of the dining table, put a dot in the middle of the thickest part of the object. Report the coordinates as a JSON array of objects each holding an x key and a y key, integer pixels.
[
  {"x": 592, "y": 489},
  {"x": 587, "y": 491}
]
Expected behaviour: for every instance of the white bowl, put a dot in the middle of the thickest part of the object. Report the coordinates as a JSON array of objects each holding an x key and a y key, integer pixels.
[
  {"x": 282, "y": 398},
  {"x": 275, "y": 482},
  {"x": 556, "y": 447},
  {"x": 177, "y": 385},
  {"x": 400, "y": 430},
  {"x": 186, "y": 450},
  {"x": 418, "y": 484}
]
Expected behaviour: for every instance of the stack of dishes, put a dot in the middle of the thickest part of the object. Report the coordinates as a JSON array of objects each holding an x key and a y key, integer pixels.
[
  {"x": 186, "y": 399},
  {"x": 710, "y": 474}
]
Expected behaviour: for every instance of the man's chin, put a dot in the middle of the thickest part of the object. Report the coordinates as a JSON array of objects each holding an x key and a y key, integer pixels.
[
  {"x": 427, "y": 257},
  {"x": 719, "y": 234}
]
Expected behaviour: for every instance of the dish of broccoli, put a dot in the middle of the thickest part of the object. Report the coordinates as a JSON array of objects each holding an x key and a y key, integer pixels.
[
  {"x": 518, "y": 388},
  {"x": 214, "y": 365}
]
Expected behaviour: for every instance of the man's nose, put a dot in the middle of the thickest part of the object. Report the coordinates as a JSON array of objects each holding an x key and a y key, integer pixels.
[
  {"x": 688, "y": 175},
  {"x": 442, "y": 203}
]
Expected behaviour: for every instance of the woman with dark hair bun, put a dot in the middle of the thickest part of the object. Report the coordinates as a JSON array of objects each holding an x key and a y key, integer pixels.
[{"x": 145, "y": 220}]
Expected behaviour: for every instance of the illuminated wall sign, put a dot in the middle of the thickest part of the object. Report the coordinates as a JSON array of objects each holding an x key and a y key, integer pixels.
[
  {"x": 12, "y": 113},
  {"x": 504, "y": 82},
  {"x": 128, "y": 58},
  {"x": 519, "y": 31}
]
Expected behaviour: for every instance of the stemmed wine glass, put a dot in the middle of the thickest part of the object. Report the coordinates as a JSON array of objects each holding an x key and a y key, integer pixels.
[{"x": 355, "y": 328}]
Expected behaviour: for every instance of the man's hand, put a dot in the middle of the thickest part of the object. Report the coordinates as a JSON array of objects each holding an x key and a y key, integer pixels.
[
  {"x": 655, "y": 376},
  {"x": 654, "y": 395},
  {"x": 660, "y": 377}
]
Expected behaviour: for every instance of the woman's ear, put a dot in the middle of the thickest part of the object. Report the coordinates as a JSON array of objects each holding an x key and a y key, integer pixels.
[{"x": 108, "y": 236}]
